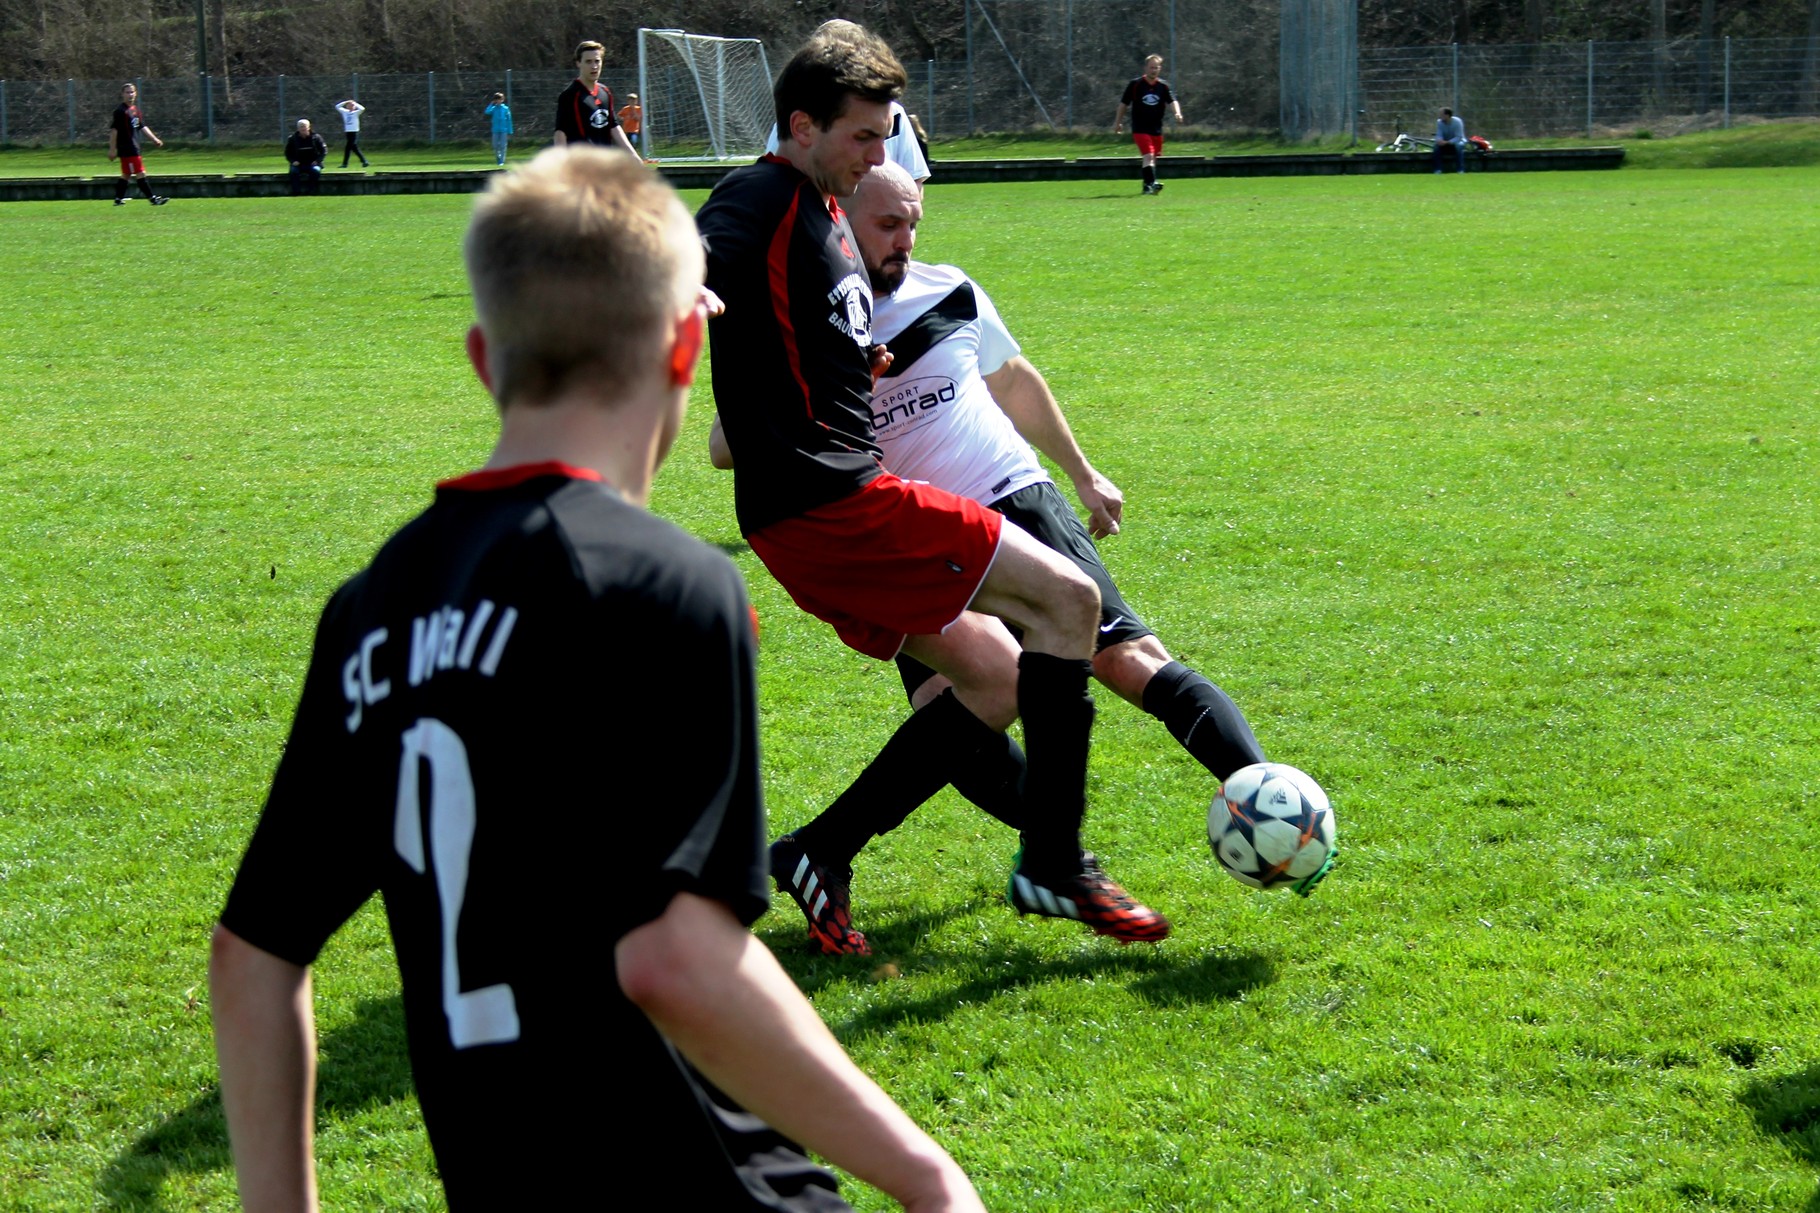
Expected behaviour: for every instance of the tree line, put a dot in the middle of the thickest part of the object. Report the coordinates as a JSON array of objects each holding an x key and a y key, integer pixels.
[{"x": 99, "y": 39}]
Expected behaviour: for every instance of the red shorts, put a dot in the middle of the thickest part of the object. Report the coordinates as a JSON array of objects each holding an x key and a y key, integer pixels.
[
  {"x": 898, "y": 558},
  {"x": 130, "y": 165},
  {"x": 1149, "y": 145}
]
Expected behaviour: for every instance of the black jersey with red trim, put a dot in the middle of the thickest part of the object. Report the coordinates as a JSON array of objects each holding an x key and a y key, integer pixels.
[
  {"x": 792, "y": 378},
  {"x": 1147, "y": 102},
  {"x": 586, "y": 115},
  {"x": 529, "y": 723},
  {"x": 126, "y": 130}
]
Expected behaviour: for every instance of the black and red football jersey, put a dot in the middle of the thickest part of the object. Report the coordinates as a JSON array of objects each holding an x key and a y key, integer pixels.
[
  {"x": 126, "y": 125},
  {"x": 528, "y": 724},
  {"x": 1148, "y": 102},
  {"x": 586, "y": 115},
  {"x": 792, "y": 376}
]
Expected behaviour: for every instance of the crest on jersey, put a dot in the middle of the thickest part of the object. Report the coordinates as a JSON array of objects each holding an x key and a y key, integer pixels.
[
  {"x": 851, "y": 304},
  {"x": 599, "y": 118}
]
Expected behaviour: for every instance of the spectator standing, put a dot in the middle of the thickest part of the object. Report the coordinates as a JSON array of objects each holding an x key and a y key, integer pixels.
[
  {"x": 584, "y": 110},
  {"x": 1450, "y": 136},
  {"x": 350, "y": 111},
  {"x": 123, "y": 145},
  {"x": 306, "y": 151},
  {"x": 632, "y": 117},
  {"x": 501, "y": 114}
]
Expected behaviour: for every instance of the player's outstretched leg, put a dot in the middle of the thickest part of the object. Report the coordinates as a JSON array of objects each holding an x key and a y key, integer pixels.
[
  {"x": 1091, "y": 897},
  {"x": 1052, "y": 876},
  {"x": 1203, "y": 718},
  {"x": 925, "y": 754},
  {"x": 820, "y": 892}
]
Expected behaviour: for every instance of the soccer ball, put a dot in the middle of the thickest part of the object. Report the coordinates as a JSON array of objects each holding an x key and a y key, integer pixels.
[{"x": 1271, "y": 826}]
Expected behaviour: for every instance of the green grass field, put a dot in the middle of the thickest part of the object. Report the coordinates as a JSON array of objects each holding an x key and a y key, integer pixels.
[{"x": 1491, "y": 500}]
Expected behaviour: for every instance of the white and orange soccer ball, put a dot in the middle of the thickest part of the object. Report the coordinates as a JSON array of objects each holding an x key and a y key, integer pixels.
[{"x": 1272, "y": 827}]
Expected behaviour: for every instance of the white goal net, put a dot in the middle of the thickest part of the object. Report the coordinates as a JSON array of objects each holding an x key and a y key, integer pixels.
[{"x": 704, "y": 98}]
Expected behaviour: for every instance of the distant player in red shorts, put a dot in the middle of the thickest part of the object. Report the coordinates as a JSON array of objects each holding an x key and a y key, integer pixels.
[
  {"x": 123, "y": 145},
  {"x": 1145, "y": 98},
  {"x": 888, "y": 564}
]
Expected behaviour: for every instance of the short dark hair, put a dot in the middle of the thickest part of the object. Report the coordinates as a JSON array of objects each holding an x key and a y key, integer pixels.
[{"x": 840, "y": 60}]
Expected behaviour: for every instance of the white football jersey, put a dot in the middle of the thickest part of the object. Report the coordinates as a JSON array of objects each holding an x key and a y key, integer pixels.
[{"x": 933, "y": 414}]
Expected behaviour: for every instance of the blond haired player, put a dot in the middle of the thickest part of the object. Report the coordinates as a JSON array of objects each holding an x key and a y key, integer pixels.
[{"x": 579, "y": 984}]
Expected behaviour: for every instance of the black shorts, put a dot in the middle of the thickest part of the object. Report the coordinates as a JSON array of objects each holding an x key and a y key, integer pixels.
[{"x": 1045, "y": 513}]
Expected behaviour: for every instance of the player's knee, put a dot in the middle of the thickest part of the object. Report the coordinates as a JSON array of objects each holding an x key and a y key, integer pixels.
[
  {"x": 1074, "y": 602},
  {"x": 994, "y": 703},
  {"x": 1126, "y": 668}
]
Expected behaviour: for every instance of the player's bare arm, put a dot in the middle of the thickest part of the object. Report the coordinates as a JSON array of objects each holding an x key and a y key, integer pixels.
[
  {"x": 1021, "y": 391},
  {"x": 1118, "y": 122},
  {"x": 719, "y": 453},
  {"x": 621, "y": 142},
  {"x": 719, "y": 996},
  {"x": 113, "y": 139},
  {"x": 265, "y": 1039},
  {"x": 150, "y": 134}
]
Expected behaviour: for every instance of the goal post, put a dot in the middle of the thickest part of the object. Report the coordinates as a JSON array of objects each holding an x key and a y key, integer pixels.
[{"x": 704, "y": 98}]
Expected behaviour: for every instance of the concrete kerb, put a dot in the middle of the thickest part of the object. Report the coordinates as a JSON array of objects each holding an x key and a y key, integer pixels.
[{"x": 947, "y": 172}]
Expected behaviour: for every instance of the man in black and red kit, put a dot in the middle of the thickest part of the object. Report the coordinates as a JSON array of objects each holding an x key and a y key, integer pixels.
[
  {"x": 583, "y": 1000},
  {"x": 1145, "y": 97},
  {"x": 123, "y": 145},
  {"x": 584, "y": 110},
  {"x": 888, "y": 563}
]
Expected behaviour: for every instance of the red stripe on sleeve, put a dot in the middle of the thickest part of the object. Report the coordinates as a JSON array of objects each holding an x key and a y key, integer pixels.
[{"x": 777, "y": 263}]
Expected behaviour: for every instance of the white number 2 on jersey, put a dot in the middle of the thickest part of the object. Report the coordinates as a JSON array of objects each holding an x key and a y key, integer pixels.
[{"x": 476, "y": 1017}]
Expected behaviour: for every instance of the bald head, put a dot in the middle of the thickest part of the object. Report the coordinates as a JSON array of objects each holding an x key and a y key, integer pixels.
[{"x": 884, "y": 213}]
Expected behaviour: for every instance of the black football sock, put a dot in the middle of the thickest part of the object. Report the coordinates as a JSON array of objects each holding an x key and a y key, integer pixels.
[
  {"x": 993, "y": 779},
  {"x": 1052, "y": 698},
  {"x": 120, "y": 189},
  {"x": 1150, "y": 174},
  {"x": 1203, "y": 718},
  {"x": 145, "y": 186},
  {"x": 915, "y": 764}
]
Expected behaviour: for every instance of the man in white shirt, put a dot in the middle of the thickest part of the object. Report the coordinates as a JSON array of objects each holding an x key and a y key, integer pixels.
[{"x": 350, "y": 111}]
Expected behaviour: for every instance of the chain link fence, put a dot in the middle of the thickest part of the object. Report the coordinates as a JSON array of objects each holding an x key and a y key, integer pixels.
[
  {"x": 1037, "y": 65},
  {"x": 428, "y": 107},
  {"x": 1590, "y": 88}
]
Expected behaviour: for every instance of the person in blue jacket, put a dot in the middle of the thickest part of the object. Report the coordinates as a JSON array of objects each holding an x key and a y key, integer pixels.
[{"x": 501, "y": 113}]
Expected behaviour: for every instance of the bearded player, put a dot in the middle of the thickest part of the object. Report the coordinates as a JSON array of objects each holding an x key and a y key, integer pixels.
[
  {"x": 889, "y": 564},
  {"x": 960, "y": 407}
]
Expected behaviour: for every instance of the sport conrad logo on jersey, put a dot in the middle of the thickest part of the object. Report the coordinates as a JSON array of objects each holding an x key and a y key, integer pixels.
[{"x": 909, "y": 406}]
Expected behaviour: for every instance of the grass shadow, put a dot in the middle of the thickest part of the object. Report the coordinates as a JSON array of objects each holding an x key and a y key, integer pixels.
[
  {"x": 1787, "y": 1109},
  {"x": 890, "y": 938},
  {"x": 360, "y": 1064},
  {"x": 1157, "y": 975},
  {"x": 1220, "y": 976}
]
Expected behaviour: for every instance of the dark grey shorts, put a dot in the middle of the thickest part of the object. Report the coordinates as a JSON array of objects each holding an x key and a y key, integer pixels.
[{"x": 1045, "y": 513}]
